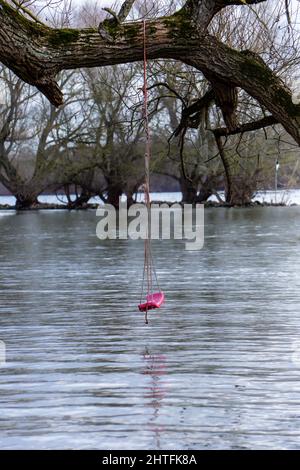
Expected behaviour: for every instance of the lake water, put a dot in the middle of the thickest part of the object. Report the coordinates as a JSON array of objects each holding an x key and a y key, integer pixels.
[{"x": 217, "y": 368}]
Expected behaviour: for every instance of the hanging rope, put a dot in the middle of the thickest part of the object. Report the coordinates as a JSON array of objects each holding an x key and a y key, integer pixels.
[{"x": 149, "y": 268}]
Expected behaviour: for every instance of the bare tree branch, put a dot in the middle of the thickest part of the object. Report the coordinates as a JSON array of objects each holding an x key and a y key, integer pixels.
[
  {"x": 116, "y": 20},
  {"x": 248, "y": 127}
]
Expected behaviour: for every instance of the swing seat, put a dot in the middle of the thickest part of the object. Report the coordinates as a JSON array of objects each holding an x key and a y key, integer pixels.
[{"x": 152, "y": 301}]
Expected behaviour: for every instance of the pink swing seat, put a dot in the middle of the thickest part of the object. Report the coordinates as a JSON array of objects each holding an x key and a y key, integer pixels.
[{"x": 152, "y": 301}]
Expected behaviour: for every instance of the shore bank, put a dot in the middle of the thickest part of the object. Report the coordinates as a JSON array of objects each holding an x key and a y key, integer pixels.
[{"x": 94, "y": 206}]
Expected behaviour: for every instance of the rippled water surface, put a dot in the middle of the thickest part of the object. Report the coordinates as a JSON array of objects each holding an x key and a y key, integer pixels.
[{"x": 217, "y": 368}]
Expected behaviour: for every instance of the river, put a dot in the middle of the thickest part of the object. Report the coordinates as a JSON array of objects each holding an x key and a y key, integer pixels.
[{"x": 218, "y": 367}]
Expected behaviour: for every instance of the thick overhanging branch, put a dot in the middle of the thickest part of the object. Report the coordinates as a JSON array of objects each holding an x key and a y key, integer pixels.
[
  {"x": 36, "y": 53},
  {"x": 248, "y": 71}
]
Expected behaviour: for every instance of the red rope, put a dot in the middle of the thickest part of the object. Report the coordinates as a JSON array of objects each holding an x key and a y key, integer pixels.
[
  {"x": 146, "y": 124},
  {"x": 147, "y": 248},
  {"x": 149, "y": 268}
]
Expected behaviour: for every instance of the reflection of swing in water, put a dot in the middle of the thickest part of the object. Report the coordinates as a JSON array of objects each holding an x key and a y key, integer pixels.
[
  {"x": 155, "y": 367},
  {"x": 153, "y": 300}
]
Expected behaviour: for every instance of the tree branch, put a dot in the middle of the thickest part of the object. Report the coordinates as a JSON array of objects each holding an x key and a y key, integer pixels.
[
  {"x": 116, "y": 20},
  {"x": 226, "y": 97},
  {"x": 248, "y": 127},
  {"x": 26, "y": 11},
  {"x": 225, "y": 3},
  {"x": 172, "y": 90},
  {"x": 191, "y": 115},
  {"x": 203, "y": 11}
]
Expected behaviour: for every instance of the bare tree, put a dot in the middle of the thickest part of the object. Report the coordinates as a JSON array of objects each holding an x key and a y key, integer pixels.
[
  {"x": 116, "y": 133},
  {"x": 37, "y": 140}
]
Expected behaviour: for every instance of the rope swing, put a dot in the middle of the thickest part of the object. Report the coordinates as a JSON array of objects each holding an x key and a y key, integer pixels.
[{"x": 153, "y": 299}]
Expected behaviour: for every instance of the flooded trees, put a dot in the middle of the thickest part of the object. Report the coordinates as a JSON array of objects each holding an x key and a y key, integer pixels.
[
  {"x": 15, "y": 134},
  {"x": 192, "y": 148},
  {"x": 115, "y": 132},
  {"x": 37, "y": 139}
]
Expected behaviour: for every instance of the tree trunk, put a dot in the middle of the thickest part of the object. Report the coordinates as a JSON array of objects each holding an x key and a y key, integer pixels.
[
  {"x": 26, "y": 201},
  {"x": 130, "y": 199},
  {"x": 188, "y": 190},
  {"x": 242, "y": 190},
  {"x": 204, "y": 194},
  {"x": 81, "y": 200},
  {"x": 114, "y": 192}
]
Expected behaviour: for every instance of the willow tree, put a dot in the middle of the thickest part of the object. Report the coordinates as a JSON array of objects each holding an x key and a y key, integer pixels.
[{"x": 37, "y": 53}]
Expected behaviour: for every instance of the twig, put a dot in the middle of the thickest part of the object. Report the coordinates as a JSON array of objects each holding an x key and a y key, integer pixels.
[{"x": 26, "y": 11}]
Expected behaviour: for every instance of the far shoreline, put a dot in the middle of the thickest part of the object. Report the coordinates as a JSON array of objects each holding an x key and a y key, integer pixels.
[{"x": 94, "y": 206}]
